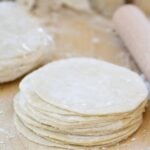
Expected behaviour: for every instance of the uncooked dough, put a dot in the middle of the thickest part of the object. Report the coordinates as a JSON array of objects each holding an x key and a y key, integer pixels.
[
  {"x": 80, "y": 103},
  {"x": 89, "y": 86},
  {"x": 44, "y": 7},
  {"x": 106, "y": 7}
]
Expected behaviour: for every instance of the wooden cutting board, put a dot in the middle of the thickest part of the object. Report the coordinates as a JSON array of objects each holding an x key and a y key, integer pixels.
[{"x": 74, "y": 35}]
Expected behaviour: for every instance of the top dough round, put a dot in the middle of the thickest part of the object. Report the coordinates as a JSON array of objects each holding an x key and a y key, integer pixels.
[{"x": 88, "y": 86}]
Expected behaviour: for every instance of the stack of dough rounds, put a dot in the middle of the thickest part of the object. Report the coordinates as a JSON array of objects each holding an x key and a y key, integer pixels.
[
  {"x": 80, "y": 103},
  {"x": 23, "y": 43}
]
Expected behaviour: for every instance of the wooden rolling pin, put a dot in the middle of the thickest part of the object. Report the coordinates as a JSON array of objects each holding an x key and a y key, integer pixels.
[{"x": 134, "y": 29}]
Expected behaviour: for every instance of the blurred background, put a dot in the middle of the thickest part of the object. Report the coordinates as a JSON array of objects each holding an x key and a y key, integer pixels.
[{"x": 103, "y": 7}]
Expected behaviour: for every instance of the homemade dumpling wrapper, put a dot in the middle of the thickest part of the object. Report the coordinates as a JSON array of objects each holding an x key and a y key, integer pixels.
[
  {"x": 23, "y": 42},
  {"x": 80, "y": 103},
  {"x": 31, "y": 135},
  {"x": 89, "y": 87}
]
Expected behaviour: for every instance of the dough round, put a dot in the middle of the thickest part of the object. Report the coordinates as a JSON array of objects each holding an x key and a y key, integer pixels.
[
  {"x": 106, "y": 7},
  {"x": 24, "y": 44},
  {"x": 80, "y": 103},
  {"x": 88, "y": 86},
  {"x": 31, "y": 135},
  {"x": 96, "y": 129}
]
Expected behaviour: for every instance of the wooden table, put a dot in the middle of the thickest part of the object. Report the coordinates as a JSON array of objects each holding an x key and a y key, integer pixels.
[{"x": 78, "y": 33}]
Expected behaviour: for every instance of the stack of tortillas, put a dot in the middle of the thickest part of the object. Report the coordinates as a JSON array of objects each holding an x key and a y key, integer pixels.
[
  {"x": 23, "y": 43},
  {"x": 80, "y": 103}
]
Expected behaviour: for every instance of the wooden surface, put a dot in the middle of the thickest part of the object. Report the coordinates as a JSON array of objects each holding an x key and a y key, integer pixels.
[{"x": 108, "y": 47}]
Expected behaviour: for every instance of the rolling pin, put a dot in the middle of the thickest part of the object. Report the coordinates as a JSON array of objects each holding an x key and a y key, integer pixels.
[{"x": 134, "y": 29}]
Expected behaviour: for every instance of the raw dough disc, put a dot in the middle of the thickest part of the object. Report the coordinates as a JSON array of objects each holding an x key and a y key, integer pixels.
[
  {"x": 106, "y": 7},
  {"x": 22, "y": 60},
  {"x": 36, "y": 138},
  {"x": 81, "y": 140},
  {"x": 106, "y": 128},
  {"x": 80, "y": 124},
  {"x": 144, "y": 5},
  {"x": 80, "y": 103},
  {"x": 89, "y": 86}
]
